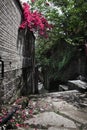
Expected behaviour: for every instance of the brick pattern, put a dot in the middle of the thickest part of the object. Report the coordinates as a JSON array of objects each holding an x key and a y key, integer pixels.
[{"x": 13, "y": 50}]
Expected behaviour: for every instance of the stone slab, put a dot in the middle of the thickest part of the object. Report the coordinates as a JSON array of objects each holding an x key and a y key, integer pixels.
[
  {"x": 70, "y": 111},
  {"x": 60, "y": 128},
  {"x": 51, "y": 119},
  {"x": 78, "y": 83},
  {"x": 58, "y": 94},
  {"x": 55, "y": 94},
  {"x": 29, "y": 129},
  {"x": 63, "y": 87}
]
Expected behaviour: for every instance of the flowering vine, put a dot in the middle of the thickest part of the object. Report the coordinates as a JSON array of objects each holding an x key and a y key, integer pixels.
[{"x": 35, "y": 21}]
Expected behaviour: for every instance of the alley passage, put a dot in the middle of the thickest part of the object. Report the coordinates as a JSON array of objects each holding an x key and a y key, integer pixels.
[{"x": 51, "y": 111}]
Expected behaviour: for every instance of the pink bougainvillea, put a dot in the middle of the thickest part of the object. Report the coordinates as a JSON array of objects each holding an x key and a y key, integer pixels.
[
  {"x": 32, "y": 1},
  {"x": 35, "y": 21}
]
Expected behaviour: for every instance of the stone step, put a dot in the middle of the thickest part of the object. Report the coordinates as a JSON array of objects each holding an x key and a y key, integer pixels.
[
  {"x": 55, "y": 94},
  {"x": 77, "y": 84},
  {"x": 56, "y": 128},
  {"x": 51, "y": 119},
  {"x": 50, "y": 128},
  {"x": 63, "y": 87},
  {"x": 70, "y": 111}
]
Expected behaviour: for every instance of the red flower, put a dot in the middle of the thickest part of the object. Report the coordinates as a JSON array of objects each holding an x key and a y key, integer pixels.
[
  {"x": 0, "y": 120},
  {"x": 35, "y": 21},
  {"x": 46, "y": 36},
  {"x": 32, "y": 1},
  {"x": 18, "y": 125},
  {"x": 31, "y": 112},
  {"x": 12, "y": 120}
]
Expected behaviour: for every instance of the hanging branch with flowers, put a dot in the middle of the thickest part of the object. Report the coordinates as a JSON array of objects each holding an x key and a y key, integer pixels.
[{"x": 35, "y": 21}]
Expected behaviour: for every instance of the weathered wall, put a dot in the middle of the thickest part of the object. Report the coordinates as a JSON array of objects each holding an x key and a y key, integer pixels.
[
  {"x": 28, "y": 63},
  {"x": 16, "y": 51}
]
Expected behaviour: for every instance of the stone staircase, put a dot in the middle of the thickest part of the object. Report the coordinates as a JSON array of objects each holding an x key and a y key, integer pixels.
[
  {"x": 59, "y": 111},
  {"x": 74, "y": 85},
  {"x": 78, "y": 85}
]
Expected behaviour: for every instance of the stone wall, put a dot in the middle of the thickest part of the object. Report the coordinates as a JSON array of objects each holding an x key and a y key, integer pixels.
[{"x": 16, "y": 52}]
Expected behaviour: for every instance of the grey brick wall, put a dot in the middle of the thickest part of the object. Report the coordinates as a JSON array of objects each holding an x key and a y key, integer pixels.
[{"x": 12, "y": 50}]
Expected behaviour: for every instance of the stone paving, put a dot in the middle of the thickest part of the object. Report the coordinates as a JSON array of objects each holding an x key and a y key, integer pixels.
[{"x": 54, "y": 111}]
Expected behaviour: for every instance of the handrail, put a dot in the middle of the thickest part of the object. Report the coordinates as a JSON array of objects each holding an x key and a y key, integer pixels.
[
  {"x": 8, "y": 117},
  {"x": 2, "y": 68}
]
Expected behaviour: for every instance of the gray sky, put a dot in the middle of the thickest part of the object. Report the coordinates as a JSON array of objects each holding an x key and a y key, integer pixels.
[{"x": 24, "y": 0}]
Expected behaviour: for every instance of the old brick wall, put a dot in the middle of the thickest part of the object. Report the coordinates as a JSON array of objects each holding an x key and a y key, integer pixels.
[{"x": 14, "y": 51}]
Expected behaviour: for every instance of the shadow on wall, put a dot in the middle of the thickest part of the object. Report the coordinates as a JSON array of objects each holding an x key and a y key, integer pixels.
[
  {"x": 1, "y": 80},
  {"x": 26, "y": 48},
  {"x": 1, "y": 93}
]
